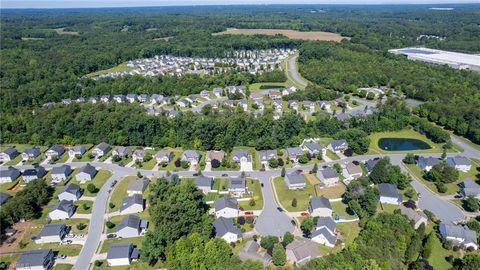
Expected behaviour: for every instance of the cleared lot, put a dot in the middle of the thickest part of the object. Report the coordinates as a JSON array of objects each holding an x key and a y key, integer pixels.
[{"x": 313, "y": 35}]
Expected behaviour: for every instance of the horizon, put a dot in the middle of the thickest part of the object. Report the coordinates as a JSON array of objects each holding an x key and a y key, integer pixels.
[{"x": 66, "y": 4}]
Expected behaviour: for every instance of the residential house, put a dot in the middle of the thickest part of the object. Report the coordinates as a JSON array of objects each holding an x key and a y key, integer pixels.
[
  {"x": 131, "y": 98},
  {"x": 66, "y": 101},
  {"x": 119, "y": 98},
  {"x": 314, "y": 149},
  {"x": 324, "y": 105},
  {"x": 164, "y": 156},
  {"x": 138, "y": 155},
  {"x": 289, "y": 90},
  {"x": 105, "y": 99},
  {"x": 338, "y": 146},
  {"x": 205, "y": 94},
  {"x": 226, "y": 207},
  {"x": 277, "y": 115},
  {"x": 4, "y": 197},
  {"x": 132, "y": 204},
  {"x": 319, "y": 207},
  {"x": 295, "y": 180},
  {"x": 459, "y": 235},
  {"x": 101, "y": 149},
  {"x": 328, "y": 176},
  {"x": 156, "y": 98},
  {"x": 8, "y": 154},
  {"x": 218, "y": 92},
  {"x": 183, "y": 103},
  {"x": 142, "y": 98},
  {"x": 31, "y": 153},
  {"x": 132, "y": 226},
  {"x": 418, "y": 217},
  {"x": 191, "y": 156},
  {"x": 138, "y": 186},
  {"x": 427, "y": 164},
  {"x": 369, "y": 164},
  {"x": 70, "y": 192},
  {"x": 251, "y": 252},
  {"x": 211, "y": 155},
  {"x": 266, "y": 155},
  {"x": 243, "y": 104},
  {"x": 52, "y": 233},
  {"x": 229, "y": 103},
  {"x": 469, "y": 188},
  {"x": 351, "y": 172},
  {"x": 120, "y": 254},
  {"x": 192, "y": 98},
  {"x": 63, "y": 210},
  {"x": 225, "y": 229},
  {"x": 389, "y": 194},
  {"x": 33, "y": 174},
  {"x": 241, "y": 156},
  {"x": 294, "y": 153},
  {"x": 9, "y": 175},
  {"x": 121, "y": 151},
  {"x": 204, "y": 183},
  {"x": 55, "y": 151},
  {"x": 301, "y": 251},
  {"x": 61, "y": 173},
  {"x": 460, "y": 163},
  {"x": 237, "y": 186},
  {"x": 92, "y": 100},
  {"x": 86, "y": 173},
  {"x": 325, "y": 232},
  {"x": 309, "y": 105},
  {"x": 277, "y": 104},
  {"x": 293, "y": 104},
  {"x": 77, "y": 150},
  {"x": 37, "y": 259}
]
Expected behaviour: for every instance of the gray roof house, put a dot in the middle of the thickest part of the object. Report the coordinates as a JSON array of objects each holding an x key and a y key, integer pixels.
[
  {"x": 460, "y": 163},
  {"x": 226, "y": 207},
  {"x": 338, "y": 145},
  {"x": 266, "y": 155},
  {"x": 101, "y": 149},
  {"x": 241, "y": 156},
  {"x": 225, "y": 229},
  {"x": 70, "y": 192},
  {"x": 35, "y": 259},
  {"x": 470, "y": 188},
  {"x": 324, "y": 236},
  {"x": 329, "y": 176},
  {"x": 204, "y": 183},
  {"x": 31, "y": 153},
  {"x": 301, "y": 252},
  {"x": 459, "y": 235},
  {"x": 131, "y": 226},
  {"x": 132, "y": 204},
  {"x": 9, "y": 175},
  {"x": 237, "y": 186},
  {"x": 33, "y": 174},
  {"x": 55, "y": 151},
  {"x": 164, "y": 156},
  {"x": 314, "y": 148},
  {"x": 295, "y": 180},
  {"x": 86, "y": 173},
  {"x": 418, "y": 217},
  {"x": 61, "y": 173},
  {"x": 371, "y": 163},
  {"x": 4, "y": 197},
  {"x": 121, "y": 254},
  {"x": 77, "y": 150},
  {"x": 121, "y": 151},
  {"x": 138, "y": 154},
  {"x": 9, "y": 154},
  {"x": 63, "y": 210},
  {"x": 426, "y": 164},
  {"x": 250, "y": 252},
  {"x": 138, "y": 186},
  {"x": 319, "y": 206},
  {"x": 52, "y": 233},
  {"x": 192, "y": 156},
  {"x": 294, "y": 153},
  {"x": 389, "y": 194},
  {"x": 211, "y": 155}
]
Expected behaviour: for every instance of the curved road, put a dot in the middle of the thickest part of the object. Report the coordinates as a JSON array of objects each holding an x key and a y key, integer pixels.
[{"x": 292, "y": 71}]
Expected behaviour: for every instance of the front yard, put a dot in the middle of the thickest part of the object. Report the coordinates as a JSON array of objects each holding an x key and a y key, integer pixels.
[
  {"x": 119, "y": 192},
  {"x": 99, "y": 180},
  {"x": 136, "y": 241},
  {"x": 256, "y": 191},
  {"x": 285, "y": 195}
]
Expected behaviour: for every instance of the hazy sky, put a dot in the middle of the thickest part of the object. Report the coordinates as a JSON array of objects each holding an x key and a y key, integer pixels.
[{"x": 124, "y": 3}]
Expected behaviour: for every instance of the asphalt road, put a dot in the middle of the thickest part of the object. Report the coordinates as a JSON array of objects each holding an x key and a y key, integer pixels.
[{"x": 292, "y": 70}]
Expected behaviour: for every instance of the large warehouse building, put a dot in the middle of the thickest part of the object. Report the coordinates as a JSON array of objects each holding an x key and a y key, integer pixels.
[{"x": 452, "y": 59}]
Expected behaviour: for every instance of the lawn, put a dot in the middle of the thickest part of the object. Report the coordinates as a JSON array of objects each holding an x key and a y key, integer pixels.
[
  {"x": 6, "y": 187},
  {"x": 212, "y": 196},
  {"x": 62, "y": 266},
  {"x": 385, "y": 207},
  {"x": 171, "y": 166},
  {"x": 86, "y": 156},
  {"x": 136, "y": 241},
  {"x": 99, "y": 180},
  {"x": 11, "y": 259},
  {"x": 80, "y": 207},
  {"x": 437, "y": 259},
  {"x": 332, "y": 155},
  {"x": 254, "y": 187},
  {"x": 63, "y": 158},
  {"x": 285, "y": 195},
  {"x": 245, "y": 227},
  {"x": 121, "y": 67},
  {"x": 134, "y": 266},
  {"x": 73, "y": 224},
  {"x": 348, "y": 232},
  {"x": 69, "y": 250},
  {"x": 332, "y": 192},
  {"x": 220, "y": 184},
  {"x": 267, "y": 85},
  {"x": 119, "y": 192},
  {"x": 340, "y": 209},
  {"x": 452, "y": 188}
]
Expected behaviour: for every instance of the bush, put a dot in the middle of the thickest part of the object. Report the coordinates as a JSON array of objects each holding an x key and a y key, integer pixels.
[
  {"x": 92, "y": 188},
  {"x": 283, "y": 172},
  {"x": 252, "y": 202},
  {"x": 98, "y": 263},
  {"x": 441, "y": 188},
  {"x": 303, "y": 159},
  {"x": 111, "y": 205},
  {"x": 241, "y": 220},
  {"x": 85, "y": 206},
  {"x": 273, "y": 163},
  {"x": 287, "y": 238},
  {"x": 81, "y": 226},
  {"x": 163, "y": 164},
  {"x": 280, "y": 162},
  {"x": 471, "y": 204},
  {"x": 185, "y": 164},
  {"x": 178, "y": 163},
  {"x": 294, "y": 202},
  {"x": 267, "y": 242},
  {"x": 249, "y": 219},
  {"x": 215, "y": 163},
  {"x": 456, "y": 248},
  {"x": 409, "y": 159},
  {"x": 110, "y": 224}
]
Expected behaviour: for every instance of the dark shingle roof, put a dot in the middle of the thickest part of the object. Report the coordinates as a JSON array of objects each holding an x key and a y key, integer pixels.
[
  {"x": 64, "y": 169},
  {"x": 130, "y": 221},
  {"x": 89, "y": 169},
  {"x": 225, "y": 202},
  {"x": 388, "y": 190},
  {"x": 33, "y": 258},
  {"x": 329, "y": 172},
  {"x": 236, "y": 183},
  {"x": 52, "y": 229},
  {"x": 225, "y": 225},
  {"x": 131, "y": 200},
  {"x": 63, "y": 205},
  {"x": 203, "y": 181},
  {"x": 327, "y": 222},
  {"x": 71, "y": 188},
  {"x": 296, "y": 177},
  {"x": 119, "y": 250},
  {"x": 320, "y": 202},
  {"x": 10, "y": 172},
  {"x": 139, "y": 185}
]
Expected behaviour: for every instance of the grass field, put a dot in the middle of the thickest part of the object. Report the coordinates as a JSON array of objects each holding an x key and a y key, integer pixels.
[
  {"x": 332, "y": 192},
  {"x": 340, "y": 209},
  {"x": 285, "y": 195},
  {"x": 134, "y": 266},
  {"x": 267, "y": 85},
  {"x": 437, "y": 259},
  {"x": 99, "y": 179},
  {"x": 292, "y": 34},
  {"x": 69, "y": 250},
  {"x": 61, "y": 31},
  {"x": 119, "y": 192},
  {"x": 62, "y": 266},
  {"x": 254, "y": 187},
  {"x": 80, "y": 206},
  {"x": 121, "y": 67}
]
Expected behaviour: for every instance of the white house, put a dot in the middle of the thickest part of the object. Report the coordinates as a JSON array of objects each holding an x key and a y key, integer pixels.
[
  {"x": 131, "y": 226},
  {"x": 319, "y": 207},
  {"x": 225, "y": 229},
  {"x": 9, "y": 175},
  {"x": 63, "y": 210},
  {"x": 138, "y": 186},
  {"x": 101, "y": 149},
  {"x": 132, "y": 204},
  {"x": 52, "y": 233},
  {"x": 77, "y": 150},
  {"x": 70, "y": 192},
  {"x": 33, "y": 174},
  {"x": 295, "y": 180},
  {"x": 86, "y": 173},
  {"x": 328, "y": 176},
  {"x": 61, "y": 173},
  {"x": 338, "y": 146},
  {"x": 389, "y": 194},
  {"x": 8, "y": 154},
  {"x": 55, "y": 151},
  {"x": 294, "y": 153},
  {"x": 459, "y": 235},
  {"x": 460, "y": 163},
  {"x": 427, "y": 164},
  {"x": 237, "y": 186},
  {"x": 325, "y": 232},
  {"x": 191, "y": 156},
  {"x": 226, "y": 207}
]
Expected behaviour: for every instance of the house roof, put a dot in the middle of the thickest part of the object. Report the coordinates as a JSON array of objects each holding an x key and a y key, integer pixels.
[
  {"x": 470, "y": 188},
  {"x": 327, "y": 222},
  {"x": 458, "y": 161},
  {"x": 313, "y": 146},
  {"x": 32, "y": 151},
  {"x": 319, "y": 202},
  {"x": 225, "y": 202},
  {"x": 250, "y": 252},
  {"x": 353, "y": 169},
  {"x": 331, "y": 238},
  {"x": 139, "y": 153},
  {"x": 329, "y": 172},
  {"x": 77, "y": 148},
  {"x": 71, "y": 188},
  {"x": 388, "y": 190},
  {"x": 267, "y": 154},
  {"x": 4, "y": 197},
  {"x": 130, "y": 221},
  {"x": 371, "y": 163},
  {"x": 294, "y": 151},
  {"x": 429, "y": 161},
  {"x": 225, "y": 225},
  {"x": 88, "y": 169},
  {"x": 103, "y": 146},
  {"x": 203, "y": 181},
  {"x": 52, "y": 229},
  {"x": 57, "y": 148},
  {"x": 240, "y": 154},
  {"x": 64, "y": 206},
  {"x": 131, "y": 200},
  {"x": 10, "y": 172},
  {"x": 218, "y": 155},
  {"x": 412, "y": 214},
  {"x": 303, "y": 249},
  {"x": 138, "y": 185},
  {"x": 236, "y": 182},
  {"x": 296, "y": 177},
  {"x": 162, "y": 154},
  {"x": 122, "y": 150},
  {"x": 458, "y": 231},
  {"x": 191, "y": 154},
  {"x": 31, "y": 258},
  {"x": 63, "y": 169},
  {"x": 119, "y": 251},
  {"x": 10, "y": 151},
  {"x": 337, "y": 143}
]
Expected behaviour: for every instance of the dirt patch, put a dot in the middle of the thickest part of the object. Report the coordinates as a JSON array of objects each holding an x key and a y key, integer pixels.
[
  {"x": 163, "y": 38},
  {"x": 25, "y": 230},
  {"x": 16, "y": 187},
  {"x": 61, "y": 31},
  {"x": 292, "y": 34}
]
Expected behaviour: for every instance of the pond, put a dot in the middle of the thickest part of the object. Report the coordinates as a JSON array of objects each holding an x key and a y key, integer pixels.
[{"x": 402, "y": 144}]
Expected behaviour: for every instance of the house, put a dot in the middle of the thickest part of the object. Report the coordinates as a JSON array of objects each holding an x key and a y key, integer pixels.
[
  {"x": 156, "y": 98},
  {"x": 101, "y": 149},
  {"x": 183, "y": 103},
  {"x": 105, "y": 99},
  {"x": 63, "y": 210},
  {"x": 469, "y": 188},
  {"x": 250, "y": 252},
  {"x": 61, "y": 173},
  {"x": 119, "y": 98},
  {"x": 459, "y": 235},
  {"x": 52, "y": 233},
  {"x": 338, "y": 146},
  {"x": 294, "y": 153},
  {"x": 460, "y": 163},
  {"x": 295, "y": 180},
  {"x": 218, "y": 92},
  {"x": 229, "y": 103},
  {"x": 226, "y": 207},
  {"x": 301, "y": 251},
  {"x": 427, "y": 164},
  {"x": 217, "y": 155},
  {"x": 266, "y": 155},
  {"x": 204, "y": 183},
  {"x": 278, "y": 104},
  {"x": 329, "y": 176},
  {"x": 289, "y": 90},
  {"x": 37, "y": 259},
  {"x": 77, "y": 150},
  {"x": 67, "y": 101},
  {"x": 341, "y": 102},
  {"x": 191, "y": 156},
  {"x": 121, "y": 151},
  {"x": 138, "y": 155},
  {"x": 131, "y": 98},
  {"x": 142, "y": 98},
  {"x": 325, "y": 232},
  {"x": 309, "y": 105},
  {"x": 4, "y": 197},
  {"x": 389, "y": 194},
  {"x": 138, "y": 186},
  {"x": 225, "y": 229},
  {"x": 418, "y": 217},
  {"x": 369, "y": 164},
  {"x": 351, "y": 172},
  {"x": 191, "y": 98},
  {"x": 274, "y": 94},
  {"x": 314, "y": 149},
  {"x": 121, "y": 254},
  {"x": 86, "y": 173},
  {"x": 243, "y": 104},
  {"x": 9, "y": 175},
  {"x": 293, "y": 104},
  {"x": 205, "y": 94},
  {"x": 33, "y": 174},
  {"x": 31, "y": 153},
  {"x": 131, "y": 226},
  {"x": 164, "y": 156},
  {"x": 319, "y": 207},
  {"x": 132, "y": 204},
  {"x": 237, "y": 186},
  {"x": 324, "y": 105},
  {"x": 8, "y": 154},
  {"x": 241, "y": 156},
  {"x": 92, "y": 100},
  {"x": 70, "y": 192},
  {"x": 55, "y": 151},
  {"x": 277, "y": 115}
]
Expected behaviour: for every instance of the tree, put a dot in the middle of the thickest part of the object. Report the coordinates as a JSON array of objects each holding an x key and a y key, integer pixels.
[
  {"x": 442, "y": 172},
  {"x": 303, "y": 159},
  {"x": 273, "y": 163},
  {"x": 337, "y": 167},
  {"x": 81, "y": 226},
  {"x": 252, "y": 202},
  {"x": 267, "y": 242},
  {"x": 92, "y": 188},
  {"x": 279, "y": 258},
  {"x": 471, "y": 262},
  {"x": 215, "y": 163},
  {"x": 409, "y": 159},
  {"x": 110, "y": 224},
  {"x": 280, "y": 162},
  {"x": 241, "y": 220},
  {"x": 178, "y": 163},
  {"x": 315, "y": 168},
  {"x": 307, "y": 226},
  {"x": 185, "y": 164},
  {"x": 294, "y": 202},
  {"x": 471, "y": 204},
  {"x": 428, "y": 247},
  {"x": 357, "y": 140},
  {"x": 287, "y": 238},
  {"x": 283, "y": 172}
]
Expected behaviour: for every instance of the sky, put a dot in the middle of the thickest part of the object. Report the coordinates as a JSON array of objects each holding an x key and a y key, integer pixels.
[{"x": 132, "y": 3}]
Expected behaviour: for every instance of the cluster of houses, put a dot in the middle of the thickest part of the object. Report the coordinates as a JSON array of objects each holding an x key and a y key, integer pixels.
[{"x": 249, "y": 61}]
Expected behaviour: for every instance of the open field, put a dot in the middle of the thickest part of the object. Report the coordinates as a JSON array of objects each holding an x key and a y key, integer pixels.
[
  {"x": 121, "y": 67},
  {"x": 61, "y": 31},
  {"x": 292, "y": 34}
]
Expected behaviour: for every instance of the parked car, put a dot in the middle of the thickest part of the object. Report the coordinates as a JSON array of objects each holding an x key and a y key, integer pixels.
[
  {"x": 225, "y": 175},
  {"x": 113, "y": 183},
  {"x": 279, "y": 209},
  {"x": 304, "y": 214},
  {"x": 261, "y": 184},
  {"x": 293, "y": 222},
  {"x": 111, "y": 235}
]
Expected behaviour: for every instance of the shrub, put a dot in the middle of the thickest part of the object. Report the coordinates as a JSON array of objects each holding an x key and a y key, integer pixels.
[
  {"x": 280, "y": 162},
  {"x": 110, "y": 224},
  {"x": 116, "y": 158},
  {"x": 471, "y": 204},
  {"x": 81, "y": 226},
  {"x": 98, "y": 263},
  {"x": 273, "y": 163},
  {"x": 111, "y": 205},
  {"x": 85, "y": 206},
  {"x": 441, "y": 188},
  {"x": 92, "y": 188},
  {"x": 178, "y": 163},
  {"x": 409, "y": 159},
  {"x": 294, "y": 202},
  {"x": 164, "y": 164},
  {"x": 241, "y": 220},
  {"x": 215, "y": 163},
  {"x": 185, "y": 164},
  {"x": 249, "y": 219},
  {"x": 252, "y": 202},
  {"x": 267, "y": 242},
  {"x": 283, "y": 172}
]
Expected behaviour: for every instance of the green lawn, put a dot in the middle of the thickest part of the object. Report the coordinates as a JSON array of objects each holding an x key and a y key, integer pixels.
[
  {"x": 37, "y": 160},
  {"x": 257, "y": 86},
  {"x": 332, "y": 155},
  {"x": 73, "y": 224},
  {"x": 121, "y": 67},
  {"x": 212, "y": 196},
  {"x": 69, "y": 250},
  {"x": 245, "y": 227},
  {"x": 437, "y": 259},
  {"x": 348, "y": 232},
  {"x": 285, "y": 195},
  {"x": 99, "y": 180},
  {"x": 340, "y": 209},
  {"x": 254, "y": 187},
  {"x": 171, "y": 166},
  {"x": 62, "y": 266},
  {"x": 333, "y": 192},
  {"x": 85, "y": 157},
  {"x": 385, "y": 207},
  {"x": 7, "y": 186},
  {"x": 80, "y": 207},
  {"x": 134, "y": 266},
  {"x": 119, "y": 192},
  {"x": 11, "y": 259},
  {"x": 63, "y": 158},
  {"x": 136, "y": 241},
  {"x": 220, "y": 184},
  {"x": 14, "y": 161}
]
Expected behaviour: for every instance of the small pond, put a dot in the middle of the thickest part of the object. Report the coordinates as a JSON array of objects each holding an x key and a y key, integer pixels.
[{"x": 402, "y": 144}]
